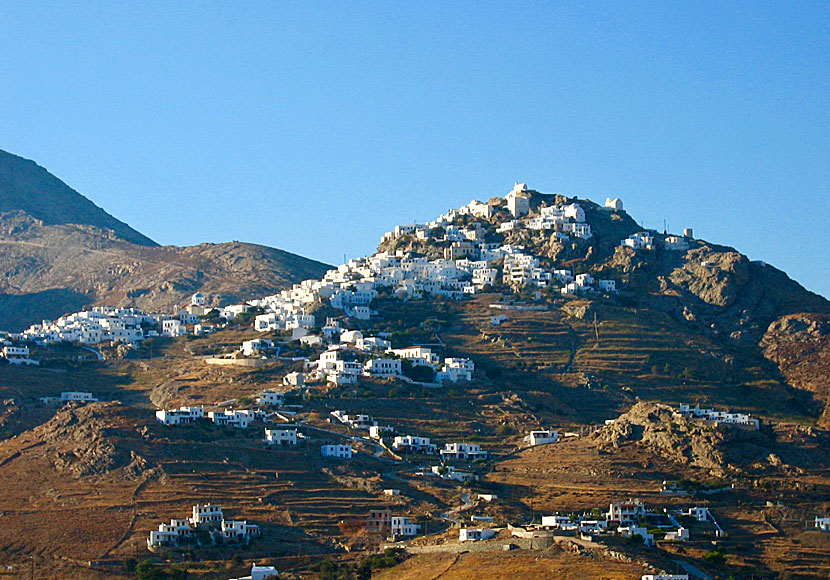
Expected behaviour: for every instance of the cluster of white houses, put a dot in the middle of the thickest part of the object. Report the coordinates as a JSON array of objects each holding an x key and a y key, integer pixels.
[
  {"x": 340, "y": 363},
  {"x": 467, "y": 265},
  {"x": 719, "y": 417},
  {"x": 204, "y": 516}
]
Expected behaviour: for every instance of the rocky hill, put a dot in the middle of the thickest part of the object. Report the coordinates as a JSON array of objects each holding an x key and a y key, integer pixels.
[{"x": 59, "y": 253}]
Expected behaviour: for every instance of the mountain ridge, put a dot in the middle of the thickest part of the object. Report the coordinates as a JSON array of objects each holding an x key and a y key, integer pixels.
[{"x": 59, "y": 253}]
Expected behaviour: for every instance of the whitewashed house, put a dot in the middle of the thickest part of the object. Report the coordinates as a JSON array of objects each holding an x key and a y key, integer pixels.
[
  {"x": 271, "y": 398},
  {"x": 383, "y": 367},
  {"x": 413, "y": 443},
  {"x": 639, "y": 241},
  {"x": 173, "y": 327},
  {"x": 475, "y": 534},
  {"x": 456, "y": 369},
  {"x": 261, "y": 573},
  {"x": 282, "y": 436},
  {"x": 542, "y": 437},
  {"x": 518, "y": 200},
  {"x": 822, "y": 524},
  {"x": 341, "y": 451},
  {"x": 614, "y": 204},
  {"x": 239, "y": 529},
  {"x": 404, "y": 526},
  {"x": 179, "y": 416},
  {"x": 623, "y": 512},
  {"x": 464, "y": 451}
]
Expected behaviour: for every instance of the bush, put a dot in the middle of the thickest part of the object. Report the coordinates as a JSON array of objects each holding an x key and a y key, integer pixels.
[
  {"x": 715, "y": 557},
  {"x": 130, "y": 565}
]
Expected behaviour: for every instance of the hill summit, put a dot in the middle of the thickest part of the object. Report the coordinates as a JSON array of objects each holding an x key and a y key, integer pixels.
[{"x": 28, "y": 188}]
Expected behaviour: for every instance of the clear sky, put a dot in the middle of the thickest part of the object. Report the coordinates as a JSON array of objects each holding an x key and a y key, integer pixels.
[{"x": 316, "y": 127}]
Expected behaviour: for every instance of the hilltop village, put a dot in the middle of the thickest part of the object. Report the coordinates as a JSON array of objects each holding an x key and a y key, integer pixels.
[{"x": 348, "y": 435}]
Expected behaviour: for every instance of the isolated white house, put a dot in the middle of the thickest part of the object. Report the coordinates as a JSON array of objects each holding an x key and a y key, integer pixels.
[
  {"x": 475, "y": 534},
  {"x": 341, "y": 451},
  {"x": 615, "y": 204},
  {"x": 283, "y": 436},
  {"x": 542, "y": 437},
  {"x": 261, "y": 573}
]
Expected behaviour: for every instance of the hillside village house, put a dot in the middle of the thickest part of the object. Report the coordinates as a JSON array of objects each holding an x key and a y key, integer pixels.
[
  {"x": 464, "y": 451},
  {"x": 260, "y": 573},
  {"x": 542, "y": 437},
  {"x": 239, "y": 419},
  {"x": 282, "y": 436},
  {"x": 623, "y": 512},
  {"x": 403, "y": 526},
  {"x": 412, "y": 443},
  {"x": 180, "y": 416},
  {"x": 475, "y": 534},
  {"x": 271, "y": 398},
  {"x": 379, "y": 520},
  {"x": 238, "y": 529},
  {"x": 639, "y": 241},
  {"x": 341, "y": 451},
  {"x": 822, "y": 524},
  {"x": 70, "y": 397},
  {"x": 615, "y": 204},
  {"x": 383, "y": 367},
  {"x": 377, "y": 431},
  {"x": 518, "y": 200},
  {"x": 456, "y": 369},
  {"x": 17, "y": 355}
]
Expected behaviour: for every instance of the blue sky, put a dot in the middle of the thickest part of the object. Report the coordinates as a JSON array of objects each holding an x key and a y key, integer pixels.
[{"x": 316, "y": 127}]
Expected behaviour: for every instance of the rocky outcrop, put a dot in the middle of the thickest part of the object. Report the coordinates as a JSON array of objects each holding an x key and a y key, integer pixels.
[
  {"x": 82, "y": 441},
  {"x": 800, "y": 345},
  {"x": 657, "y": 428}
]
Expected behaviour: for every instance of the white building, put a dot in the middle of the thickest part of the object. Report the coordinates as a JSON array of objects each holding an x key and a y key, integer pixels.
[
  {"x": 456, "y": 369},
  {"x": 414, "y": 444},
  {"x": 173, "y": 327},
  {"x": 383, "y": 367},
  {"x": 341, "y": 451},
  {"x": 17, "y": 355},
  {"x": 464, "y": 451},
  {"x": 475, "y": 534},
  {"x": 404, "y": 526},
  {"x": 179, "y": 416},
  {"x": 261, "y": 573},
  {"x": 284, "y": 436},
  {"x": 639, "y": 241},
  {"x": 239, "y": 529},
  {"x": 665, "y": 577},
  {"x": 615, "y": 204},
  {"x": 518, "y": 200},
  {"x": 271, "y": 398},
  {"x": 822, "y": 524},
  {"x": 206, "y": 514},
  {"x": 542, "y": 437},
  {"x": 628, "y": 511}
]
